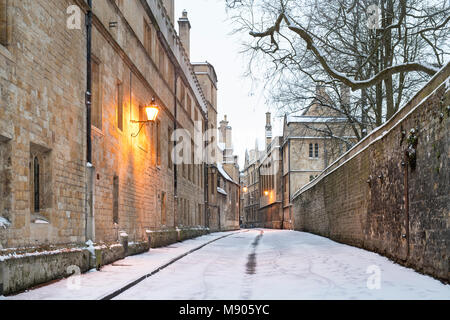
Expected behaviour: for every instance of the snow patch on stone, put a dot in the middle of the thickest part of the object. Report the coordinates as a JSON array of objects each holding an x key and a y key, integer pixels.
[{"x": 4, "y": 223}]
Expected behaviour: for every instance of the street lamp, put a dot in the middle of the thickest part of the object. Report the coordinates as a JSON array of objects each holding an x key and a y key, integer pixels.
[
  {"x": 245, "y": 189},
  {"x": 266, "y": 193},
  {"x": 152, "y": 112}
]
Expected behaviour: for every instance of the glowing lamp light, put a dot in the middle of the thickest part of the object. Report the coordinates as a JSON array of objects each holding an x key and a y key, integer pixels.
[
  {"x": 152, "y": 111},
  {"x": 245, "y": 189},
  {"x": 266, "y": 193}
]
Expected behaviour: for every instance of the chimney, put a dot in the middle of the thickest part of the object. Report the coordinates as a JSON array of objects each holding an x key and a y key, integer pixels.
[
  {"x": 345, "y": 95},
  {"x": 185, "y": 32},
  {"x": 170, "y": 8},
  {"x": 320, "y": 92},
  {"x": 225, "y": 133},
  {"x": 268, "y": 129}
]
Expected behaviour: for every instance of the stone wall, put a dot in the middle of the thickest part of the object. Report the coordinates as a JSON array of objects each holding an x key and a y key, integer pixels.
[
  {"x": 271, "y": 216},
  {"x": 389, "y": 194},
  {"x": 22, "y": 272},
  {"x": 144, "y": 179},
  {"x": 21, "y": 269},
  {"x": 42, "y": 114}
]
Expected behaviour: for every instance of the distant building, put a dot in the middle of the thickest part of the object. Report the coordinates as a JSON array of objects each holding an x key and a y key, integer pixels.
[
  {"x": 270, "y": 186},
  {"x": 261, "y": 183},
  {"x": 223, "y": 184},
  {"x": 250, "y": 188},
  {"x": 311, "y": 142}
]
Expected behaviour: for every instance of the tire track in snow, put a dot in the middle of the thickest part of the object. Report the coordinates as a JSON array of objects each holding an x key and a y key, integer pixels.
[
  {"x": 211, "y": 268},
  {"x": 250, "y": 268},
  {"x": 137, "y": 281}
]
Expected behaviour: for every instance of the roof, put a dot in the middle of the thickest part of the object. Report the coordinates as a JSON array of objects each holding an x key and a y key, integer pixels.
[
  {"x": 220, "y": 190},
  {"x": 224, "y": 173},
  {"x": 313, "y": 119}
]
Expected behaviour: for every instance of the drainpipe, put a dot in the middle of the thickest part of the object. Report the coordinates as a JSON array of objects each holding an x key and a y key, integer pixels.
[
  {"x": 89, "y": 205},
  {"x": 205, "y": 176},
  {"x": 291, "y": 226},
  {"x": 406, "y": 183},
  {"x": 89, "y": 81},
  {"x": 175, "y": 180}
]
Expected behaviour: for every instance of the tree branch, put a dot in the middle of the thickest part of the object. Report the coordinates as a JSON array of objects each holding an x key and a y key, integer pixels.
[{"x": 353, "y": 84}]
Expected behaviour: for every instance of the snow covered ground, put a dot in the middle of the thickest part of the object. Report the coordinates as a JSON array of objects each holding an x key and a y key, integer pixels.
[
  {"x": 254, "y": 264},
  {"x": 95, "y": 285},
  {"x": 289, "y": 265}
]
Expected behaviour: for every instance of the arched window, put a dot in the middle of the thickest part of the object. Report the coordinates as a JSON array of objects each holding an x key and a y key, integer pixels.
[
  {"x": 316, "y": 150},
  {"x": 116, "y": 199},
  {"x": 5, "y": 178},
  {"x": 311, "y": 150},
  {"x": 36, "y": 183},
  {"x": 3, "y": 23},
  {"x": 40, "y": 179}
]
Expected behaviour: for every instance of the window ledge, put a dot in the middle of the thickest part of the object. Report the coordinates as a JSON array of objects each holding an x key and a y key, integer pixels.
[
  {"x": 6, "y": 53},
  {"x": 97, "y": 130},
  {"x": 37, "y": 218}
]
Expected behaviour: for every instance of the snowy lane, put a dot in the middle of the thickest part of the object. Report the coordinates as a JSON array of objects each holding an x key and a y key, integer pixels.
[
  {"x": 284, "y": 265},
  {"x": 214, "y": 272}
]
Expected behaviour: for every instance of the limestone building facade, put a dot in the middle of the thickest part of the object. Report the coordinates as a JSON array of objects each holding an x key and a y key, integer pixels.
[
  {"x": 138, "y": 183},
  {"x": 270, "y": 186},
  {"x": 261, "y": 183},
  {"x": 250, "y": 215},
  {"x": 308, "y": 147},
  {"x": 291, "y": 161},
  {"x": 224, "y": 187},
  {"x": 51, "y": 191},
  {"x": 42, "y": 125}
]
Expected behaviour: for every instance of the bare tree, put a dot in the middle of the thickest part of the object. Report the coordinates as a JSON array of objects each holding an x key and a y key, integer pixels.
[{"x": 384, "y": 51}]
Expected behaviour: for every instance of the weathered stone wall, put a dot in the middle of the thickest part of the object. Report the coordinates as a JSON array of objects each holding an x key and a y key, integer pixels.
[
  {"x": 376, "y": 197},
  {"x": 42, "y": 111},
  {"x": 143, "y": 181},
  {"x": 270, "y": 216},
  {"x": 21, "y": 273},
  {"x": 25, "y": 268}
]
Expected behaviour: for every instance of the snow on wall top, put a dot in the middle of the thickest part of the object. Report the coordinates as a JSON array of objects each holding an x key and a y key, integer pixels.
[
  {"x": 4, "y": 223},
  {"x": 440, "y": 78}
]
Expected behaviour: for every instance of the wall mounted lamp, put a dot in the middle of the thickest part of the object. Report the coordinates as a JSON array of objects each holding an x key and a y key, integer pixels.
[{"x": 152, "y": 112}]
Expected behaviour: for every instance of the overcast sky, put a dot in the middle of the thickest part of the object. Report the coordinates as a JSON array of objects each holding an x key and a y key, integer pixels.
[{"x": 240, "y": 99}]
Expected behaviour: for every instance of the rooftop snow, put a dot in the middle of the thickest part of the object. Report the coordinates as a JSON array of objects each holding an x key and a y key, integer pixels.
[
  {"x": 224, "y": 173},
  {"x": 314, "y": 119},
  {"x": 220, "y": 190}
]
